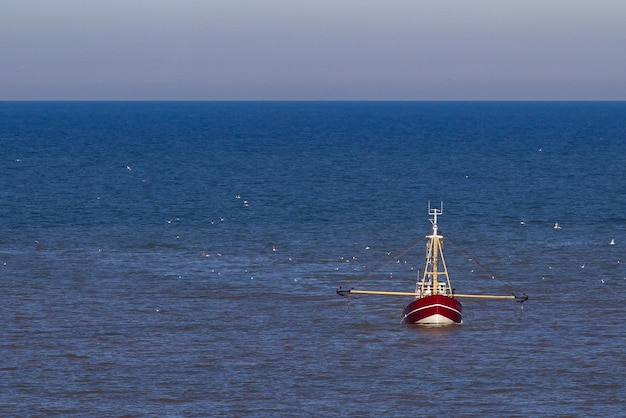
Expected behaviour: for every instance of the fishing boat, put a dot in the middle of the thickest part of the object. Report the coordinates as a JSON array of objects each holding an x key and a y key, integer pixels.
[{"x": 435, "y": 302}]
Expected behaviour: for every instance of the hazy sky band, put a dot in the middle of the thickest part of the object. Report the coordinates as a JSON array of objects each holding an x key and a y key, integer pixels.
[{"x": 322, "y": 50}]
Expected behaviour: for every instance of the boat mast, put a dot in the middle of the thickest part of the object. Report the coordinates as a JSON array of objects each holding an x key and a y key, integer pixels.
[{"x": 434, "y": 253}]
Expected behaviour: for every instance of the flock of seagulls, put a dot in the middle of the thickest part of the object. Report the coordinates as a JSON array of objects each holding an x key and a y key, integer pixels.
[
  {"x": 274, "y": 249},
  {"x": 557, "y": 225},
  {"x": 205, "y": 254}
]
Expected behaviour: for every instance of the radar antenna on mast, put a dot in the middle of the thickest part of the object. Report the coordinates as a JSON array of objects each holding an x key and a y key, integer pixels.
[{"x": 434, "y": 212}]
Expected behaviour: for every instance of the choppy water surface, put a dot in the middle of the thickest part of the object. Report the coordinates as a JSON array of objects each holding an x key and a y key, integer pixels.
[{"x": 181, "y": 259}]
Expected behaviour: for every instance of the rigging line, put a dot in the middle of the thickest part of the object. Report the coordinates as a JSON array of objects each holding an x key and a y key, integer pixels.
[
  {"x": 472, "y": 259},
  {"x": 393, "y": 258}
]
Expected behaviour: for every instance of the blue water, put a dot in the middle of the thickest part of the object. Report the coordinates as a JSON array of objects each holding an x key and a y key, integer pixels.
[{"x": 181, "y": 259}]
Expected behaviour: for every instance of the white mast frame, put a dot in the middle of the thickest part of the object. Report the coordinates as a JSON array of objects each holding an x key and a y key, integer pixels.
[{"x": 435, "y": 261}]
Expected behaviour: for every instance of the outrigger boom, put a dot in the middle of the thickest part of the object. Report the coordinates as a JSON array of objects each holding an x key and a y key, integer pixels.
[{"x": 342, "y": 292}]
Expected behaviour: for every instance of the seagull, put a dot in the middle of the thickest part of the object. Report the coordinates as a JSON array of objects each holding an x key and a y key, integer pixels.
[
  {"x": 128, "y": 168},
  {"x": 557, "y": 226},
  {"x": 612, "y": 241}
]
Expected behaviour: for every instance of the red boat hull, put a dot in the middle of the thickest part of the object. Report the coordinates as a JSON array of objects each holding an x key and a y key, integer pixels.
[{"x": 433, "y": 310}]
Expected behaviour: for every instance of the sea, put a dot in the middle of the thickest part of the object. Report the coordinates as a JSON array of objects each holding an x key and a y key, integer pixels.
[{"x": 181, "y": 259}]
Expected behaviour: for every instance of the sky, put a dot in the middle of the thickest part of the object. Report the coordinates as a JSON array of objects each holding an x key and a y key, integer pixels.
[{"x": 312, "y": 50}]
